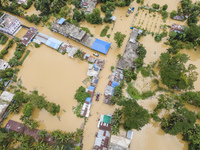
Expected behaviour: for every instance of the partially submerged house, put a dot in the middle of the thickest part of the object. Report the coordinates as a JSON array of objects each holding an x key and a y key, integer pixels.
[
  {"x": 53, "y": 43},
  {"x": 119, "y": 143},
  {"x": 4, "y": 64},
  {"x": 9, "y": 24},
  {"x": 88, "y": 5},
  {"x": 103, "y": 136},
  {"x": 42, "y": 37},
  {"x": 5, "y": 100},
  {"x": 179, "y": 17},
  {"x": 177, "y": 28},
  {"x": 86, "y": 107},
  {"x": 94, "y": 81},
  {"x": 115, "y": 80},
  {"x": 29, "y": 36},
  {"x": 20, "y": 128},
  {"x": 130, "y": 54},
  {"x": 91, "y": 91},
  {"x": 22, "y": 2},
  {"x": 77, "y": 34},
  {"x": 93, "y": 71}
]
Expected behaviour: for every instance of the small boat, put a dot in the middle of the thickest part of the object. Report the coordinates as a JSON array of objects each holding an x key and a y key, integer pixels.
[{"x": 97, "y": 97}]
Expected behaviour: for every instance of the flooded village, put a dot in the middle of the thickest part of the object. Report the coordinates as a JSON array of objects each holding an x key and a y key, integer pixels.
[{"x": 64, "y": 87}]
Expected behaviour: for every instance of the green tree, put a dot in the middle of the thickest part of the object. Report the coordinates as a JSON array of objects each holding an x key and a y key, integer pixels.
[
  {"x": 94, "y": 17},
  {"x": 193, "y": 18},
  {"x": 57, "y": 5},
  {"x": 42, "y": 133},
  {"x": 64, "y": 11},
  {"x": 81, "y": 95},
  {"x": 76, "y": 3},
  {"x": 78, "y": 16},
  {"x": 192, "y": 33},
  {"x": 28, "y": 109},
  {"x": 135, "y": 116},
  {"x": 179, "y": 121},
  {"x": 173, "y": 14},
  {"x": 119, "y": 38},
  {"x": 182, "y": 78},
  {"x": 165, "y": 7},
  {"x": 43, "y": 6}
]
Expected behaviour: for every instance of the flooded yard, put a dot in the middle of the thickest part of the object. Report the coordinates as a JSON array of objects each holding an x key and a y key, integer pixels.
[{"x": 58, "y": 77}]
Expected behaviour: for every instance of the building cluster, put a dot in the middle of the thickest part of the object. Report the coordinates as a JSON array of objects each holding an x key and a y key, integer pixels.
[
  {"x": 5, "y": 100},
  {"x": 94, "y": 73},
  {"x": 115, "y": 80},
  {"x": 3, "y": 66},
  {"x": 79, "y": 35},
  {"x": 20, "y": 128},
  {"x": 177, "y": 28},
  {"x": 9, "y": 24},
  {"x": 105, "y": 141},
  {"x": 88, "y": 5},
  {"x": 103, "y": 135},
  {"x": 130, "y": 54}
]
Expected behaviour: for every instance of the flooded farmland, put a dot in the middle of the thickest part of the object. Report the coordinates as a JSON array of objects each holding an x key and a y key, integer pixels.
[{"x": 58, "y": 77}]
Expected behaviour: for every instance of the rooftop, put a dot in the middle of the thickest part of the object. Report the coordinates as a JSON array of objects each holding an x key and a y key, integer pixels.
[
  {"x": 6, "y": 20},
  {"x": 29, "y": 35},
  {"x": 14, "y": 126},
  {"x": 119, "y": 143},
  {"x": 4, "y": 64}
]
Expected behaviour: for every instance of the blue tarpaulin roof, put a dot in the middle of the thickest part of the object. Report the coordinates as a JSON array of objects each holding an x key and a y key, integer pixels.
[
  {"x": 114, "y": 84},
  {"x": 91, "y": 88},
  {"x": 54, "y": 43},
  {"x": 88, "y": 99},
  {"x": 61, "y": 21},
  {"x": 101, "y": 46}
]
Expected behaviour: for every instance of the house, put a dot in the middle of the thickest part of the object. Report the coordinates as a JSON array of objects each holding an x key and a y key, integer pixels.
[
  {"x": 94, "y": 81},
  {"x": 86, "y": 107},
  {"x": 109, "y": 92},
  {"x": 9, "y": 24},
  {"x": 14, "y": 126},
  {"x": 29, "y": 36},
  {"x": 53, "y": 43},
  {"x": 63, "y": 47},
  {"x": 22, "y": 2},
  {"x": 119, "y": 143},
  {"x": 42, "y": 37},
  {"x": 91, "y": 91},
  {"x": 102, "y": 140},
  {"x": 72, "y": 52},
  {"x": 32, "y": 132},
  {"x": 88, "y": 5},
  {"x": 93, "y": 71},
  {"x": 180, "y": 18},
  {"x": 130, "y": 54},
  {"x": 5, "y": 100},
  {"x": 177, "y": 28},
  {"x": 4, "y": 64},
  {"x": 99, "y": 63}
]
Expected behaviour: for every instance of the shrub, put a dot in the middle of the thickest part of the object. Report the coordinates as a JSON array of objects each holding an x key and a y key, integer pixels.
[
  {"x": 37, "y": 45},
  {"x": 156, "y": 6},
  {"x": 28, "y": 109},
  {"x": 104, "y": 31}
]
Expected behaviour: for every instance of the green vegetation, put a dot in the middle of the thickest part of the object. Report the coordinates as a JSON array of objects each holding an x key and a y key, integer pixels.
[
  {"x": 79, "y": 54},
  {"x": 81, "y": 95},
  {"x": 178, "y": 122},
  {"x": 142, "y": 54},
  {"x": 112, "y": 68},
  {"x": 33, "y": 18},
  {"x": 156, "y": 6},
  {"x": 129, "y": 75},
  {"x": 135, "y": 94},
  {"x": 23, "y": 59},
  {"x": 37, "y": 45},
  {"x": 135, "y": 116},
  {"x": 87, "y": 31},
  {"x": 29, "y": 3},
  {"x": 94, "y": 17},
  {"x": 76, "y": 3},
  {"x": 192, "y": 98},
  {"x": 116, "y": 121},
  {"x": 3, "y": 38},
  {"x": 108, "y": 6},
  {"x": 29, "y": 123},
  {"x": 5, "y": 50},
  {"x": 28, "y": 109},
  {"x": 104, "y": 31},
  {"x": 119, "y": 38},
  {"x": 182, "y": 78},
  {"x": 165, "y": 7},
  {"x": 78, "y": 16}
]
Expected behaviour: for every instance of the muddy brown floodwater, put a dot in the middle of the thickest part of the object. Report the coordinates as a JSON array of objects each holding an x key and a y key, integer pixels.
[{"x": 57, "y": 77}]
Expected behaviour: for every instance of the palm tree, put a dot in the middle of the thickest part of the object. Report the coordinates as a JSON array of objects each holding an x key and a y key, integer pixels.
[
  {"x": 14, "y": 108},
  {"x": 43, "y": 133}
]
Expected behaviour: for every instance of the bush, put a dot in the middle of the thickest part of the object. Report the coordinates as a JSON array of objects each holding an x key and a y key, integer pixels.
[
  {"x": 165, "y": 7},
  {"x": 94, "y": 17},
  {"x": 37, "y": 45},
  {"x": 138, "y": 1},
  {"x": 156, "y": 6},
  {"x": 158, "y": 38},
  {"x": 173, "y": 14},
  {"x": 112, "y": 68},
  {"x": 28, "y": 109},
  {"x": 104, "y": 31}
]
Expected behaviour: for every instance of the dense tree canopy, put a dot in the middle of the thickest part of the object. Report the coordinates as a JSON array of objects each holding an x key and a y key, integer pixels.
[
  {"x": 179, "y": 121},
  {"x": 119, "y": 39},
  {"x": 135, "y": 116},
  {"x": 173, "y": 72},
  {"x": 94, "y": 17}
]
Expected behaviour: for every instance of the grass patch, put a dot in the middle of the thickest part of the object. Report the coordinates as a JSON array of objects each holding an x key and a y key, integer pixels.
[
  {"x": 104, "y": 31},
  {"x": 86, "y": 30},
  {"x": 135, "y": 94},
  {"x": 27, "y": 52}
]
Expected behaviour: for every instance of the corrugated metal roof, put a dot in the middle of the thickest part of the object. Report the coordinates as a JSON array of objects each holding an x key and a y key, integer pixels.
[
  {"x": 53, "y": 43},
  {"x": 88, "y": 99},
  {"x": 101, "y": 46},
  {"x": 61, "y": 20},
  {"x": 107, "y": 119},
  {"x": 114, "y": 84},
  {"x": 91, "y": 88}
]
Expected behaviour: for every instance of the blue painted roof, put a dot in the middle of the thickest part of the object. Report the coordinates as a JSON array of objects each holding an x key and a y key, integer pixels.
[
  {"x": 91, "y": 88},
  {"x": 61, "y": 21},
  {"x": 54, "y": 43},
  {"x": 114, "y": 84},
  {"x": 101, "y": 46},
  {"x": 88, "y": 99}
]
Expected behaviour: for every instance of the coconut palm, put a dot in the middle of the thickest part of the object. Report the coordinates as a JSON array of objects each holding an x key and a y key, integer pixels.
[
  {"x": 43, "y": 133},
  {"x": 14, "y": 108}
]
